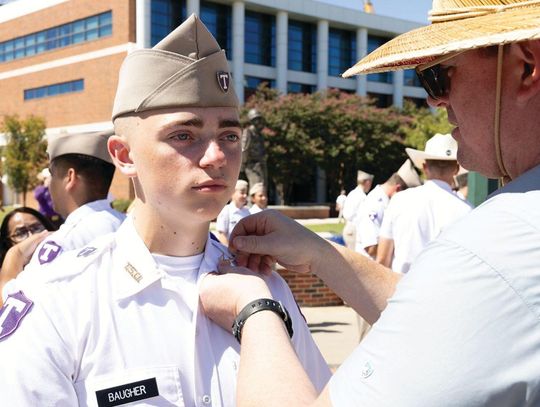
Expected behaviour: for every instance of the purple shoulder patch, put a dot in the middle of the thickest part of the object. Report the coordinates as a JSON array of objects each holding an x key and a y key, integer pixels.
[
  {"x": 11, "y": 314},
  {"x": 48, "y": 252}
]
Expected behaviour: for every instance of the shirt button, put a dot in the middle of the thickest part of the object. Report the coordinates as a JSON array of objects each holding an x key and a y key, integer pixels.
[{"x": 206, "y": 399}]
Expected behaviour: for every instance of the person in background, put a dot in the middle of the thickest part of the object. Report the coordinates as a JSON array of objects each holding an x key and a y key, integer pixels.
[
  {"x": 44, "y": 200},
  {"x": 21, "y": 231},
  {"x": 119, "y": 321},
  {"x": 417, "y": 216},
  {"x": 233, "y": 212},
  {"x": 259, "y": 200},
  {"x": 462, "y": 184},
  {"x": 354, "y": 200},
  {"x": 340, "y": 202}
]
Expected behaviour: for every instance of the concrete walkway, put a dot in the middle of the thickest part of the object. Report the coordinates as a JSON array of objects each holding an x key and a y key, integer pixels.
[{"x": 335, "y": 330}]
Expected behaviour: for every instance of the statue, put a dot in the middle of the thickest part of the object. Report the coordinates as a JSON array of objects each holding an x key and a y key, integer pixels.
[{"x": 253, "y": 151}]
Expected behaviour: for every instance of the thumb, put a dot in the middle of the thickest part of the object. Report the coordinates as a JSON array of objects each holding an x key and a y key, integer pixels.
[{"x": 251, "y": 244}]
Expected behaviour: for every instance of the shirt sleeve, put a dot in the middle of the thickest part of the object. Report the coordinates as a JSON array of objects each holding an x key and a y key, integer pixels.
[
  {"x": 386, "y": 225},
  {"x": 37, "y": 367},
  {"x": 454, "y": 330},
  {"x": 222, "y": 221},
  {"x": 304, "y": 345}
]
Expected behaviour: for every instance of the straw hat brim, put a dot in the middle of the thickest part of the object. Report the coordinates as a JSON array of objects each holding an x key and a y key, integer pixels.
[
  {"x": 424, "y": 44},
  {"x": 419, "y": 157}
]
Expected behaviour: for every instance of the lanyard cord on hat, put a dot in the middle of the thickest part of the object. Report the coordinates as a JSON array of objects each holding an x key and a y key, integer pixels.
[
  {"x": 452, "y": 14},
  {"x": 497, "y": 125}
]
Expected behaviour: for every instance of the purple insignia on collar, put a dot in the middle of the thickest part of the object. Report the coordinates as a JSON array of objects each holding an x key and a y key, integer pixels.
[
  {"x": 48, "y": 252},
  {"x": 87, "y": 251},
  {"x": 12, "y": 313}
]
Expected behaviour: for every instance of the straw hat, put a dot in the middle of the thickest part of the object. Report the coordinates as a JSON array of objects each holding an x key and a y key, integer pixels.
[
  {"x": 457, "y": 25},
  {"x": 438, "y": 147}
]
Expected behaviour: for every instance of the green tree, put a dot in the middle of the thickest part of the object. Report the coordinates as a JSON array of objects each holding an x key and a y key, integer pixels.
[
  {"x": 424, "y": 124},
  {"x": 333, "y": 130},
  {"x": 25, "y": 153}
]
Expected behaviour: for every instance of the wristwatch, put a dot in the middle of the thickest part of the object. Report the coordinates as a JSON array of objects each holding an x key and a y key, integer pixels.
[{"x": 261, "y": 304}]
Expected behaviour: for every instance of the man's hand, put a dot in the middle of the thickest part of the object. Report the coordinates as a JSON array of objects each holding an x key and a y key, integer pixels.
[
  {"x": 268, "y": 236},
  {"x": 224, "y": 295}
]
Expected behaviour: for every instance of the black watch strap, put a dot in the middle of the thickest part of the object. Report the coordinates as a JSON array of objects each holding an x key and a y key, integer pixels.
[{"x": 261, "y": 304}]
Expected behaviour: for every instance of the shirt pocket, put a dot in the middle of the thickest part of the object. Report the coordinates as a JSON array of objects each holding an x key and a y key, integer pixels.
[{"x": 152, "y": 386}]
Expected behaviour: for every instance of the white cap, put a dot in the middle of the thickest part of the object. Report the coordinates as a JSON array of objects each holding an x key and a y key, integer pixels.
[
  {"x": 438, "y": 147},
  {"x": 409, "y": 175}
]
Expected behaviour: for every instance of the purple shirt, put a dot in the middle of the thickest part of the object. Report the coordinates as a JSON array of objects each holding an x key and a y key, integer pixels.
[{"x": 43, "y": 196}]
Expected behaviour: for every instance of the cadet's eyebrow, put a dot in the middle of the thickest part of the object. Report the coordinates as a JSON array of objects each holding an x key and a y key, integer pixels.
[
  {"x": 196, "y": 122},
  {"x": 229, "y": 123}
]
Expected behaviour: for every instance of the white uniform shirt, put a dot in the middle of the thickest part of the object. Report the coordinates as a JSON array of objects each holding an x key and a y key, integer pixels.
[
  {"x": 369, "y": 219},
  {"x": 352, "y": 203},
  {"x": 107, "y": 320},
  {"x": 83, "y": 225},
  {"x": 463, "y": 327},
  {"x": 229, "y": 216},
  {"x": 416, "y": 216},
  {"x": 255, "y": 209}
]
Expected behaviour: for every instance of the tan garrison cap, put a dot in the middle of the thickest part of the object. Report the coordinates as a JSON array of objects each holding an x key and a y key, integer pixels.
[
  {"x": 408, "y": 174},
  {"x": 241, "y": 184},
  {"x": 92, "y": 144},
  {"x": 362, "y": 176},
  {"x": 185, "y": 69}
]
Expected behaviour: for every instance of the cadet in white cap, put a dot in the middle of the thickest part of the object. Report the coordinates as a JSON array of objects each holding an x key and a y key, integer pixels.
[
  {"x": 352, "y": 205},
  {"x": 417, "y": 216},
  {"x": 259, "y": 200},
  {"x": 119, "y": 321},
  {"x": 371, "y": 214},
  {"x": 233, "y": 212},
  {"x": 81, "y": 173}
]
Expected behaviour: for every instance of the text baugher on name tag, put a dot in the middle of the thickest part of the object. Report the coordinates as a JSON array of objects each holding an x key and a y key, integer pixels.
[{"x": 127, "y": 393}]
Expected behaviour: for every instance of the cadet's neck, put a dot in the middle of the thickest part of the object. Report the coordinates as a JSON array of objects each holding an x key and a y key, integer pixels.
[{"x": 169, "y": 238}]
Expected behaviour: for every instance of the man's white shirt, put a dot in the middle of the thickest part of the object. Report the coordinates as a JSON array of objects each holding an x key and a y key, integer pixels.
[
  {"x": 369, "y": 219},
  {"x": 416, "y": 216},
  {"x": 229, "y": 216},
  {"x": 352, "y": 203},
  {"x": 113, "y": 316}
]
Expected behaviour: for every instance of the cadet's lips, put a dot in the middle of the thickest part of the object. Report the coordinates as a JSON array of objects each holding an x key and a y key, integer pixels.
[{"x": 211, "y": 186}]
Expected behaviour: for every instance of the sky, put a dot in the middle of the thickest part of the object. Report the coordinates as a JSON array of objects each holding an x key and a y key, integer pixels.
[{"x": 413, "y": 10}]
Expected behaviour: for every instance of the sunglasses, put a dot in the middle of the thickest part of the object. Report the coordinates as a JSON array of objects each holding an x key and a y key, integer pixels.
[
  {"x": 434, "y": 77},
  {"x": 25, "y": 232}
]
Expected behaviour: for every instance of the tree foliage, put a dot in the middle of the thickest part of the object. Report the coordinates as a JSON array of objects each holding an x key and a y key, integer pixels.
[
  {"x": 25, "y": 153},
  {"x": 333, "y": 130},
  {"x": 424, "y": 124}
]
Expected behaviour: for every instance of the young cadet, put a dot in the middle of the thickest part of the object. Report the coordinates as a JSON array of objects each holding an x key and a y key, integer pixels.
[
  {"x": 259, "y": 200},
  {"x": 462, "y": 327},
  {"x": 119, "y": 321}
]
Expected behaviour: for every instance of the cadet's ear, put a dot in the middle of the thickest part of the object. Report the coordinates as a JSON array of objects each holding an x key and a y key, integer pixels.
[
  {"x": 119, "y": 151},
  {"x": 529, "y": 54}
]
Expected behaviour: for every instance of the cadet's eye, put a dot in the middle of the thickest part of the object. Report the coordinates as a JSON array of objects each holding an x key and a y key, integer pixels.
[
  {"x": 232, "y": 137},
  {"x": 181, "y": 136}
]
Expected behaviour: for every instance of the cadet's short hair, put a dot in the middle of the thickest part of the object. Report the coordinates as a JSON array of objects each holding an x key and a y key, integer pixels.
[
  {"x": 395, "y": 179},
  {"x": 98, "y": 174}
]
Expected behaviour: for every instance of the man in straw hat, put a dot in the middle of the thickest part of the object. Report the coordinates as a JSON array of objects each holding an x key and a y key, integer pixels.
[
  {"x": 461, "y": 328},
  {"x": 416, "y": 217},
  {"x": 118, "y": 321}
]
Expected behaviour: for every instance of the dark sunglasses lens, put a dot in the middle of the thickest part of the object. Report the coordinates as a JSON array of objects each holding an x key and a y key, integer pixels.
[{"x": 435, "y": 81}]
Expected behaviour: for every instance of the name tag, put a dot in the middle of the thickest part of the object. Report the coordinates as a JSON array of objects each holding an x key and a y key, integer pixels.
[{"x": 127, "y": 393}]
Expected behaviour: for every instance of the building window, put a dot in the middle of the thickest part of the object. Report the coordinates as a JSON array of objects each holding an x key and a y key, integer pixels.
[
  {"x": 294, "y": 87},
  {"x": 55, "y": 89},
  {"x": 410, "y": 78},
  {"x": 382, "y": 100},
  {"x": 341, "y": 51},
  {"x": 251, "y": 83},
  {"x": 218, "y": 20},
  {"x": 260, "y": 39},
  {"x": 166, "y": 15},
  {"x": 87, "y": 29},
  {"x": 375, "y": 42},
  {"x": 302, "y": 46}
]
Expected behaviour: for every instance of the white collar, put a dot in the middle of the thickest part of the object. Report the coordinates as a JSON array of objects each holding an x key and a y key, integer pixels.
[
  {"x": 134, "y": 268},
  {"x": 85, "y": 210}
]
